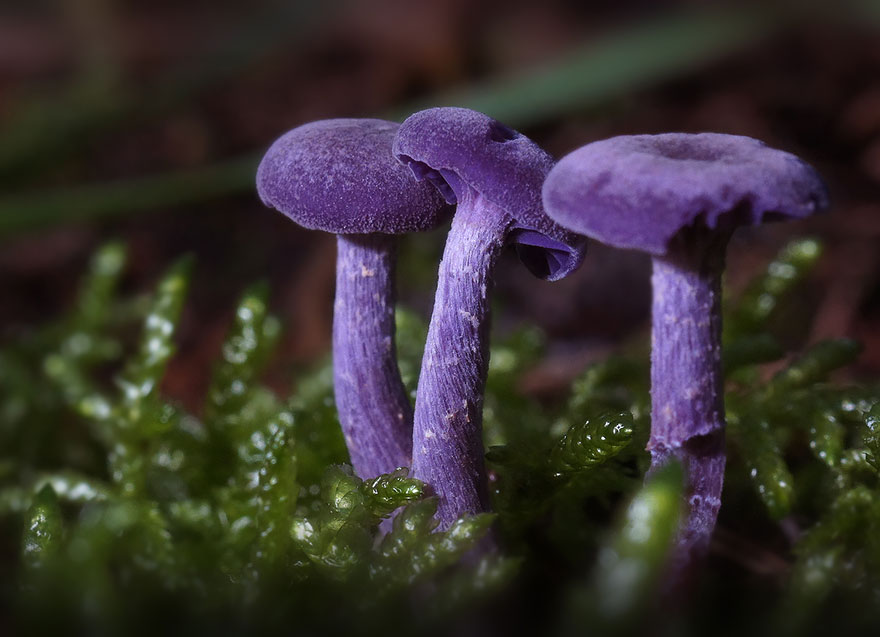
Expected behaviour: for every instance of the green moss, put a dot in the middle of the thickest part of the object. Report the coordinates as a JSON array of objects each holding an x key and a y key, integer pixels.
[{"x": 245, "y": 517}]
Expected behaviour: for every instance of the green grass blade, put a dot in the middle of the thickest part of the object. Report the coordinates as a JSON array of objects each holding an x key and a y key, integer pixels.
[
  {"x": 74, "y": 204},
  {"x": 616, "y": 65},
  {"x": 633, "y": 59}
]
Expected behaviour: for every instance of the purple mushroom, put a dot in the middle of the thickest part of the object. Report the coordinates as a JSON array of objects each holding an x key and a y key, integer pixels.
[
  {"x": 679, "y": 197},
  {"x": 494, "y": 174},
  {"x": 339, "y": 176}
]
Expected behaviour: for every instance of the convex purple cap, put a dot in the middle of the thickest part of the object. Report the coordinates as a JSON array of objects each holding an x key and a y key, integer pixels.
[
  {"x": 638, "y": 191},
  {"x": 339, "y": 176},
  {"x": 457, "y": 148}
]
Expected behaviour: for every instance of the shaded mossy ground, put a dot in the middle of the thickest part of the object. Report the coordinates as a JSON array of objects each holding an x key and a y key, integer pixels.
[{"x": 121, "y": 512}]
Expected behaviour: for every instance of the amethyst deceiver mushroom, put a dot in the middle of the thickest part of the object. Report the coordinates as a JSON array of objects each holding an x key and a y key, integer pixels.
[
  {"x": 679, "y": 197},
  {"x": 494, "y": 175},
  {"x": 339, "y": 176}
]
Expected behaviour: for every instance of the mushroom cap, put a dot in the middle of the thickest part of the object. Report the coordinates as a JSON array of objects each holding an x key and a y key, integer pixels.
[
  {"x": 458, "y": 149},
  {"x": 638, "y": 191},
  {"x": 338, "y": 175}
]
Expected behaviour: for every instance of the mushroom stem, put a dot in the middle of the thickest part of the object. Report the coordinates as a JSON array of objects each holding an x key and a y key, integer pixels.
[
  {"x": 687, "y": 393},
  {"x": 447, "y": 430},
  {"x": 374, "y": 410}
]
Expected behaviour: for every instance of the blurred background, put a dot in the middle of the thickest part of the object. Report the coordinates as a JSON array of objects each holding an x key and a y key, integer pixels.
[{"x": 145, "y": 121}]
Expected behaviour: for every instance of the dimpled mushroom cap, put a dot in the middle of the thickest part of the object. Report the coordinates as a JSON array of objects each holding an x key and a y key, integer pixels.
[
  {"x": 638, "y": 191},
  {"x": 338, "y": 175},
  {"x": 457, "y": 148}
]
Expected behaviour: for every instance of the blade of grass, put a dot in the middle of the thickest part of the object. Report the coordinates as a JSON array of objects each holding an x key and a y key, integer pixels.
[
  {"x": 633, "y": 59},
  {"x": 82, "y": 203},
  {"x": 644, "y": 55},
  {"x": 51, "y": 130}
]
